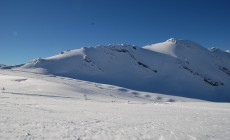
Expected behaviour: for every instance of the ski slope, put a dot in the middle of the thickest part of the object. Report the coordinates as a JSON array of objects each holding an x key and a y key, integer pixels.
[{"x": 36, "y": 106}]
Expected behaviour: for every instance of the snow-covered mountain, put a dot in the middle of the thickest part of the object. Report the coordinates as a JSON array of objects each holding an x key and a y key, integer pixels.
[
  {"x": 2, "y": 65},
  {"x": 174, "y": 67}
]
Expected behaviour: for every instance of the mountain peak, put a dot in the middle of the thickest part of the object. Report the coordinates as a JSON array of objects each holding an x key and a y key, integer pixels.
[
  {"x": 172, "y": 40},
  {"x": 213, "y": 49},
  {"x": 176, "y": 47}
]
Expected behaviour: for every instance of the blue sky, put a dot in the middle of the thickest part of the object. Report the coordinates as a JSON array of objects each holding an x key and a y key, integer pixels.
[{"x": 39, "y": 28}]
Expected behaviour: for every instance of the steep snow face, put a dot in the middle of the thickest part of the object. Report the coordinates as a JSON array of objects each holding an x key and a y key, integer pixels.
[
  {"x": 195, "y": 58},
  {"x": 175, "y": 67},
  {"x": 167, "y": 47},
  {"x": 177, "y": 48}
]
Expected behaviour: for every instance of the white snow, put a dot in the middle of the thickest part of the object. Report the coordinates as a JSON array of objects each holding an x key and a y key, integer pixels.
[
  {"x": 167, "y": 47},
  {"x": 173, "y": 67},
  {"x": 1, "y": 65},
  {"x": 161, "y": 91},
  {"x": 35, "y": 106}
]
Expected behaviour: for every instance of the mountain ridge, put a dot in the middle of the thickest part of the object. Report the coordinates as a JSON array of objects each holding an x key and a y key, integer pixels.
[{"x": 174, "y": 67}]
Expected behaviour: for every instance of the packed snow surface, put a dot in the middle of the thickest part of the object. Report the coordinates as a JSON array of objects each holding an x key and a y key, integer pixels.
[{"x": 35, "y": 106}]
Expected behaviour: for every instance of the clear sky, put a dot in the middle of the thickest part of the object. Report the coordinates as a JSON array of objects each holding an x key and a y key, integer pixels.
[{"x": 39, "y": 28}]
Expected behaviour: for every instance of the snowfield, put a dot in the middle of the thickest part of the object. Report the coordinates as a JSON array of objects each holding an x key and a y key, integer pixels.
[
  {"x": 163, "y": 91},
  {"x": 35, "y": 106}
]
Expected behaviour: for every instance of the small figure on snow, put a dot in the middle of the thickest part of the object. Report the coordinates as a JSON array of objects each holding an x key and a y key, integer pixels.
[
  {"x": 85, "y": 96},
  {"x": 3, "y": 90}
]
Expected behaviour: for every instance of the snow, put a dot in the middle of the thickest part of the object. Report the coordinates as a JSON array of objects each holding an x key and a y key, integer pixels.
[
  {"x": 167, "y": 47},
  {"x": 36, "y": 106},
  {"x": 2, "y": 65},
  {"x": 57, "y": 86},
  {"x": 160, "y": 91},
  {"x": 173, "y": 67}
]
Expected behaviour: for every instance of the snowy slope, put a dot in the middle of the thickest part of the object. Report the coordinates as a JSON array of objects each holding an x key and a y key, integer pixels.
[
  {"x": 30, "y": 84},
  {"x": 35, "y": 106},
  {"x": 173, "y": 67},
  {"x": 2, "y": 65}
]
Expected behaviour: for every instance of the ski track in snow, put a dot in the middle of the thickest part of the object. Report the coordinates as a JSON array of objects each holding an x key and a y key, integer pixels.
[
  {"x": 25, "y": 115},
  {"x": 51, "y": 118},
  {"x": 95, "y": 88}
]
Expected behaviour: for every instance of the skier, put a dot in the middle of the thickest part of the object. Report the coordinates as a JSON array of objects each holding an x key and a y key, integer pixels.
[{"x": 3, "y": 90}]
